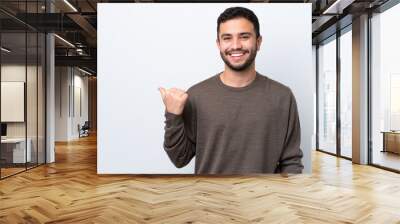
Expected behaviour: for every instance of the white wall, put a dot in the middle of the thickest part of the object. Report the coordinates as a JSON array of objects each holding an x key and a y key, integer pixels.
[
  {"x": 67, "y": 84},
  {"x": 61, "y": 103},
  {"x": 80, "y": 84},
  {"x": 144, "y": 46}
]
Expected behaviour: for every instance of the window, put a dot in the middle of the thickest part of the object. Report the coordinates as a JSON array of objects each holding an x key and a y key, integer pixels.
[
  {"x": 346, "y": 93},
  {"x": 385, "y": 89},
  {"x": 327, "y": 96}
]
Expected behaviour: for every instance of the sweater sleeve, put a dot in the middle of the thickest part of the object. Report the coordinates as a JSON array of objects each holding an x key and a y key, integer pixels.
[
  {"x": 290, "y": 160},
  {"x": 180, "y": 135}
]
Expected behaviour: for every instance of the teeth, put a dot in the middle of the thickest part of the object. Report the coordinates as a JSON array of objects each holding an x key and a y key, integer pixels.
[{"x": 236, "y": 55}]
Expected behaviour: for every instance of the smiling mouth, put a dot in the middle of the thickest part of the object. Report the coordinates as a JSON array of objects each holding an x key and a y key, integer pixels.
[{"x": 236, "y": 55}]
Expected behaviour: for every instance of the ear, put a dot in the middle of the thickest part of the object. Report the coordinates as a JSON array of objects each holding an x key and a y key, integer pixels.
[{"x": 259, "y": 40}]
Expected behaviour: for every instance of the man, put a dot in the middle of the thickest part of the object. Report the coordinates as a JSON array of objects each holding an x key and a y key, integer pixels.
[{"x": 238, "y": 121}]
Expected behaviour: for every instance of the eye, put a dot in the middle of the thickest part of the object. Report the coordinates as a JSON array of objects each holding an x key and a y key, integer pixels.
[
  {"x": 245, "y": 37},
  {"x": 226, "y": 38}
]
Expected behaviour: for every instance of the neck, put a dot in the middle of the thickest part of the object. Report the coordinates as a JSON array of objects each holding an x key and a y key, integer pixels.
[{"x": 238, "y": 78}]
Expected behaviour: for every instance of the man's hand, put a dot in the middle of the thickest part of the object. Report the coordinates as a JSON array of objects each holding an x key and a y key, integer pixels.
[{"x": 174, "y": 99}]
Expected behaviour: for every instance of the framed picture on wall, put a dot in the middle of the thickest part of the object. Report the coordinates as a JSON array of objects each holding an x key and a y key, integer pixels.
[{"x": 12, "y": 101}]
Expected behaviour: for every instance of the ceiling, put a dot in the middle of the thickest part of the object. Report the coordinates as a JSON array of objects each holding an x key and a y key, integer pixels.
[{"x": 76, "y": 22}]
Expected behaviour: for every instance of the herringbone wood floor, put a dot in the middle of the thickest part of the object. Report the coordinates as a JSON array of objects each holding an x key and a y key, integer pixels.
[{"x": 70, "y": 191}]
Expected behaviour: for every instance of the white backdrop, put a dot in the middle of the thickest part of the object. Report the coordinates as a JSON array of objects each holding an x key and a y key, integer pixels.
[{"x": 144, "y": 46}]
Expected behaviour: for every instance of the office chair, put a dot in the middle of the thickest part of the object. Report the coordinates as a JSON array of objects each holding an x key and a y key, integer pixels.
[{"x": 84, "y": 130}]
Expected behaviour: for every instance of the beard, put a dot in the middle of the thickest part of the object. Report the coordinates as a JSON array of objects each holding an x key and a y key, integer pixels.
[{"x": 240, "y": 67}]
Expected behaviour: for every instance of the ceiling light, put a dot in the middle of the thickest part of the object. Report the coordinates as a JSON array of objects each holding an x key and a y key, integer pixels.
[
  {"x": 64, "y": 40},
  {"x": 338, "y": 6},
  {"x": 84, "y": 71},
  {"x": 70, "y": 5},
  {"x": 5, "y": 50}
]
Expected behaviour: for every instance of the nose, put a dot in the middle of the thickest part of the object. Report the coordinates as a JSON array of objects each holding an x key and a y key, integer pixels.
[{"x": 236, "y": 43}]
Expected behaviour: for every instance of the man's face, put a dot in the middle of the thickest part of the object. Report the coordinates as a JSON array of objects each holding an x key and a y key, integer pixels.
[{"x": 238, "y": 44}]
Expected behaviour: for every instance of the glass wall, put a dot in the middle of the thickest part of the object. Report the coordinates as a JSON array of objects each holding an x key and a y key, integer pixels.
[
  {"x": 13, "y": 91},
  {"x": 346, "y": 93},
  {"x": 327, "y": 95},
  {"x": 335, "y": 86},
  {"x": 41, "y": 97},
  {"x": 31, "y": 104},
  {"x": 385, "y": 89},
  {"x": 22, "y": 87}
]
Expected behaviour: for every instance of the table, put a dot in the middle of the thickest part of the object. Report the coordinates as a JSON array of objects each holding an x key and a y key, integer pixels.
[
  {"x": 391, "y": 141},
  {"x": 16, "y": 151}
]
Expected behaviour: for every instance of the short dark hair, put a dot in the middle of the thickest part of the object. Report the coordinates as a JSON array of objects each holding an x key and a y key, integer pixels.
[{"x": 239, "y": 12}]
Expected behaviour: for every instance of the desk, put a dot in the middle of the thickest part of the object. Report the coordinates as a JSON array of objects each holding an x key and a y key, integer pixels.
[
  {"x": 391, "y": 141},
  {"x": 16, "y": 151}
]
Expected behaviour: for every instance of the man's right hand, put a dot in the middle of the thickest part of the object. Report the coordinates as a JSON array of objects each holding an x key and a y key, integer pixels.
[{"x": 174, "y": 99}]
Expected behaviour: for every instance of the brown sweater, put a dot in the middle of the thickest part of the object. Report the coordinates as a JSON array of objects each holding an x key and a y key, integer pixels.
[{"x": 230, "y": 130}]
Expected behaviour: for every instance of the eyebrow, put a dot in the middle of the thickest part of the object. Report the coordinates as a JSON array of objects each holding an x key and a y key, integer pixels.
[{"x": 244, "y": 33}]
